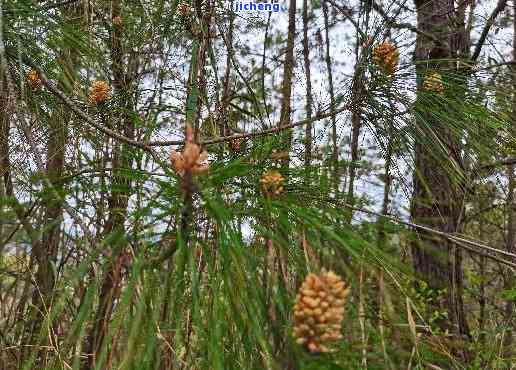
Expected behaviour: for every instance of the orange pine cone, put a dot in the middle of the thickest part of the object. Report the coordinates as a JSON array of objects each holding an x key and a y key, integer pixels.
[
  {"x": 192, "y": 159},
  {"x": 236, "y": 144},
  {"x": 99, "y": 92},
  {"x": 184, "y": 9},
  {"x": 34, "y": 79},
  {"x": 117, "y": 21},
  {"x": 386, "y": 56}
]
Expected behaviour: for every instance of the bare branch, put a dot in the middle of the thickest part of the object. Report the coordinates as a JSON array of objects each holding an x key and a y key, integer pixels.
[
  {"x": 478, "y": 48},
  {"x": 393, "y": 24}
]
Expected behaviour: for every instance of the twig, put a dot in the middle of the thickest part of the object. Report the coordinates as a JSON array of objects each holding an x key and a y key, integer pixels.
[
  {"x": 317, "y": 117},
  {"x": 455, "y": 239},
  {"x": 147, "y": 146},
  {"x": 392, "y": 23},
  {"x": 478, "y": 48},
  {"x": 61, "y": 95}
]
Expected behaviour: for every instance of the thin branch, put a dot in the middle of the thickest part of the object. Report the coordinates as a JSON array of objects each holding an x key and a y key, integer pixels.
[
  {"x": 115, "y": 135},
  {"x": 274, "y": 130},
  {"x": 503, "y": 162},
  {"x": 62, "y": 96},
  {"x": 453, "y": 238},
  {"x": 393, "y": 24},
  {"x": 347, "y": 12},
  {"x": 148, "y": 145},
  {"x": 478, "y": 48}
]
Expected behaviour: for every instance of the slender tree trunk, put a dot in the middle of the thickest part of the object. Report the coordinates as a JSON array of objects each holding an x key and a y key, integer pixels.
[
  {"x": 437, "y": 196},
  {"x": 288, "y": 70},
  {"x": 6, "y": 110},
  {"x": 223, "y": 126},
  {"x": 46, "y": 250},
  {"x": 482, "y": 299},
  {"x": 309, "y": 99},
  {"x": 118, "y": 199},
  {"x": 382, "y": 240},
  {"x": 511, "y": 209},
  {"x": 5, "y": 165},
  {"x": 335, "y": 148},
  {"x": 356, "y": 125},
  {"x": 285, "y": 115},
  {"x": 277, "y": 260}
]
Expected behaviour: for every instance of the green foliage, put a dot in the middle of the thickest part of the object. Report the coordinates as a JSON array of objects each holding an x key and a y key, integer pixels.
[{"x": 205, "y": 274}]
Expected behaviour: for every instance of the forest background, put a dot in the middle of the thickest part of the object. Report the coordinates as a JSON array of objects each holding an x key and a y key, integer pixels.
[{"x": 187, "y": 187}]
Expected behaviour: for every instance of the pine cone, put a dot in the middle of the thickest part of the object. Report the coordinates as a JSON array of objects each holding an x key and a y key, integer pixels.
[
  {"x": 117, "y": 21},
  {"x": 433, "y": 82},
  {"x": 99, "y": 92},
  {"x": 272, "y": 183},
  {"x": 192, "y": 159},
  {"x": 184, "y": 9},
  {"x": 34, "y": 79},
  {"x": 386, "y": 56},
  {"x": 236, "y": 144},
  {"x": 319, "y": 311}
]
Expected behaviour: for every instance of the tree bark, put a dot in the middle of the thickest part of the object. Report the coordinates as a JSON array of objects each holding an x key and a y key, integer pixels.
[
  {"x": 335, "y": 149},
  {"x": 288, "y": 70},
  {"x": 309, "y": 99},
  {"x": 437, "y": 196},
  {"x": 511, "y": 210},
  {"x": 118, "y": 199}
]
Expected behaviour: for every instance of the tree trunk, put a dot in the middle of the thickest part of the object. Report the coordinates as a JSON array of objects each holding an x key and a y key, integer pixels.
[
  {"x": 286, "y": 88},
  {"x": 335, "y": 149},
  {"x": 309, "y": 99},
  {"x": 118, "y": 199},
  {"x": 277, "y": 260},
  {"x": 437, "y": 197},
  {"x": 356, "y": 126},
  {"x": 511, "y": 210}
]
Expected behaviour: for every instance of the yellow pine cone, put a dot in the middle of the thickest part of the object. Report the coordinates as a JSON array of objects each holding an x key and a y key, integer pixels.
[
  {"x": 99, "y": 92},
  {"x": 34, "y": 79},
  {"x": 319, "y": 311},
  {"x": 272, "y": 183},
  {"x": 433, "y": 82},
  {"x": 192, "y": 159},
  {"x": 386, "y": 56}
]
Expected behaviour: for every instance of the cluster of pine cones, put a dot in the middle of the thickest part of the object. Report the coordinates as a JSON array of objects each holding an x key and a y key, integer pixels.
[
  {"x": 319, "y": 311},
  {"x": 99, "y": 90},
  {"x": 386, "y": 56}
]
